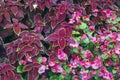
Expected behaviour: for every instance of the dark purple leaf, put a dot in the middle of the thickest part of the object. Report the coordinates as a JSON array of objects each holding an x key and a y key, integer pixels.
[
  {"x": 35, "y": 64},
  {"x": 52, "y": 37},
  {"x": 20, "y": 14},
  {"x": 42, "y": 6},
  {"x": 17, "y": 30},
  {"x": 11, "y": 74},
  {"x": 13, "y": 58},
  {"x": 22, "y": 26},
  {"x": 8, "y": 67},
  {"x": 14, "y": 10},
  {"x": 7, "y": 16},
  {"x": 62, "y": 33},
  {"x": 9, "y": 25},
  {"x": 27, "y": 48},
  {"x": 20, "y": 55},
  {"x": 9, "y": 50},
  {"x": 47, "y": 3},
  {"x": 33, "y": 74},
  {"x": 62, "y": 43},
  {"x": 27, "y": 67}
]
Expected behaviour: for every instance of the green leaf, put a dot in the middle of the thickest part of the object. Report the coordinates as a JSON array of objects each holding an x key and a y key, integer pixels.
[
  {"x": 114, "y": 71},
  {"x": 86, "y": 41},
  {"x": 20, "y": 69},
  {"x": 104, "y": 56},
  {"x": 118, "y": 19},
  {"x": 115, "y": 21},
  {"x": 82, "y": 26},
  {"x": 77, "y": 39},
  {"x": 66, "y": 68},
  {"x": 61, "y": 77},
  {"x": 68, "y": 77},
  {"x": 114, "y": 57},
  {"x": 87, "y": 31},
  {"x": 75, "y": 32},
  {"x": 74, "y": 50},
  {"x": 39, "y": 59},
  {"x": 54, "y": 77},
  {"x": 97, "y": 78}
]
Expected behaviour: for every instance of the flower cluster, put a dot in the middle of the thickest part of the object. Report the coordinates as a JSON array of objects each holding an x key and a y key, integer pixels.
[{"x": 59, "y": 39}]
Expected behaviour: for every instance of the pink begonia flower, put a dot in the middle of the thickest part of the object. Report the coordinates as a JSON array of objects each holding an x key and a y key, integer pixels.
[
  {"x": 74, "y": 45},
  {"x": 51, "y": 63},
  {"x": 92, "y": 28},
  {"x": 72, "y": 70},
  {"x": 83, "y": 37},
  {"x": 97, "y": 63},
  {"x": 93, "y": 39},
  {"x": 41, "y": 69},
  {"x": 75, "y": 17},
  {"x": 61, "y": 55},
  {"x": 88, "y": 54},
  {"x": 85, "y": 75},
  {"x": 76, "y": 77},
  {"x": 105, "y": 74},
  {"x": 44, "y": 60},
  {"x": 118, "y": 37},
  {"x": 74, "y": 63},
  {"x": 57, "y": 68},
  {"x": 117, "y": 49},
  {"x": 85, "y": 63},
  {"x": 95, "y": 12},
  {"x": 110, "y": 14},
  {"x": 28, "y": 58}
]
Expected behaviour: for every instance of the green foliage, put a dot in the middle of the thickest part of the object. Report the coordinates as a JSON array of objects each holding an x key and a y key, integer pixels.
[{"x": 20, "y": 69}]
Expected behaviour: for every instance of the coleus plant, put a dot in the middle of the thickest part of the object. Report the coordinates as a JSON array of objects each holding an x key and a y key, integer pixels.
[{"x": 59, "y": 39}]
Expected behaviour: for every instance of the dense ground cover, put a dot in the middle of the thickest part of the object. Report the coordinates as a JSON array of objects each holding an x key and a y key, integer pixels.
[{"x": 59, "y": 40}]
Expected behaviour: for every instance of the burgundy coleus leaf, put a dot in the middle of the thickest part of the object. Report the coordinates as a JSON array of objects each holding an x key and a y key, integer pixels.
[
  {"x": 8, "y": 67},
  {"x": 22, "y": 26},
  {"x": 24, "y": 33},
  {"x": 55, "y": 43},
  {"x": 61, "y": 17},
  {"x": 17, "y": 76},
  {"x": 36, "y": 64},
  {"x": 25, "y": 39},
  {"x": 47, "y": 3},
  {"x": 62, "y": 43},
  {"x": 14, "y": 3},
  {"x": 9, "y": 50},
  {"x": 13, "y": 58},
  {"x": 20, "y": 55},
  {"x": 7, "y": 16},
  {"x": 69, "y": 32},
  {"x": 14, "y": 9},
  {"x": 53, "y": 23},
  {"x": 17, "y": 30},
  {"x": 8, "y": 25},
  {"x": 10, "y": 74},
  {"x": 20, "y": 14},
  {"x": 34, "y": 52},
  {"x": 27, "y": 67},
  {"x": 1, "y": 18},
  {"x": 27, "y": 48},
  {"x": 62, "y": 33},
  {"x": 62, "y": 9},
  {"x": 52, "y": 37},
  {"x": 39, "y": 29},
  {"x": 5, "y": 77},
  {"x": 38, "y": 19},
  {"x": 33, "y": 74},
  {"x": 42, "y": 5}
]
